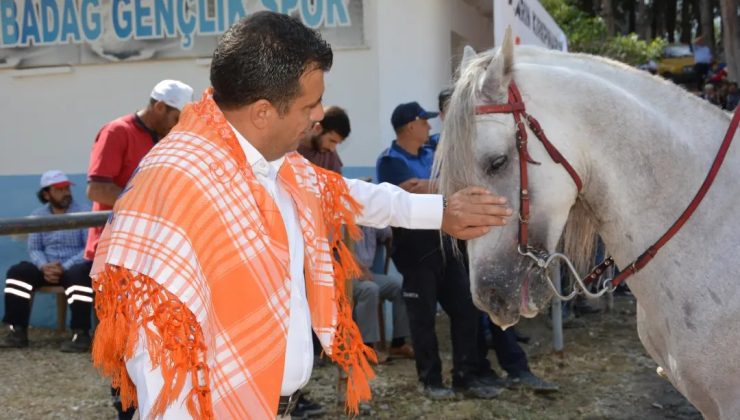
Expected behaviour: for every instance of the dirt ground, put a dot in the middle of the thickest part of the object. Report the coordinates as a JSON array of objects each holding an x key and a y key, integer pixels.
[{"x": 603, "y": 373}]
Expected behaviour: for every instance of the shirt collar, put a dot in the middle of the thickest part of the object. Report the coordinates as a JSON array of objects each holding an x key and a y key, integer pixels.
[
  {"x": 138, "y": 121},
  {"x": 401, "y": 150},
  {"x": 260, "y": 165}
]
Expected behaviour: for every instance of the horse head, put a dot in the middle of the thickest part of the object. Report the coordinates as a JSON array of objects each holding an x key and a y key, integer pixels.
[{"x": 504, "y": 283}]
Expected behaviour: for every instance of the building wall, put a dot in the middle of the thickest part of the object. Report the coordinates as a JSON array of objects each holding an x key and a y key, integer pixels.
[{"x": 49, "y": 117}]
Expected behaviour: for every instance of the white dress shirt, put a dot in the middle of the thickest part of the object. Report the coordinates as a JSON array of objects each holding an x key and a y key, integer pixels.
[{"x": 384, "y": 205}]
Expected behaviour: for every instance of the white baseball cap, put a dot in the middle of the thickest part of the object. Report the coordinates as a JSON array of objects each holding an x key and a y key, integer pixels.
[
  {"x": 54, "y": 178},
  {"x": 172, "y": 92}
]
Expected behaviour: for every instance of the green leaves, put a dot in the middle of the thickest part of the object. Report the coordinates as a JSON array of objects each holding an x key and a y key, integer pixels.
[{"x": 588, "y": 34}]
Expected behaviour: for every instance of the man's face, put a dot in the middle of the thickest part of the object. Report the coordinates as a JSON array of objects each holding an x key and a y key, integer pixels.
[
  {"x": 287, "y": 130},
  {"x": 329, "y": 141},
  {"x": 167, "y": 117},
  {"x": 419, "y": 129},
  {"x": 59, "y": 197}
]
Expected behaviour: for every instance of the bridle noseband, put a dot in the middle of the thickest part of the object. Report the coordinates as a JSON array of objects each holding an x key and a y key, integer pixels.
[{"x": 516, "y": 107}]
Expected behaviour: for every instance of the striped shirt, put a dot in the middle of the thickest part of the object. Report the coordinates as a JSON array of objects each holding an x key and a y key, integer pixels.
[{"x": 64, "y": 246}]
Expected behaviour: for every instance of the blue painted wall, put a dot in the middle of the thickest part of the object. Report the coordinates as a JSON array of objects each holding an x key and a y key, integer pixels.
[{"x": 19, "y": 193}]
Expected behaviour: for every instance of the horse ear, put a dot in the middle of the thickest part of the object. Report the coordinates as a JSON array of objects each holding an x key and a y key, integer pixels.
[
  {"x": 468, "y": 56},
  {"x": 507, "y": 48},
  {"x": 498, "y": 74}
]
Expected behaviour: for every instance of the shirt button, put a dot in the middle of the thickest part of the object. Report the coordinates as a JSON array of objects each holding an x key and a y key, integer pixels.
[{"x": 261, "y": 167}]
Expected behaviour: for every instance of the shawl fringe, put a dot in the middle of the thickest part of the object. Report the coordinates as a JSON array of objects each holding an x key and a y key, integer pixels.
[
  {"x": 348, "y": 349},
  {"x": 127, "y": 302}
]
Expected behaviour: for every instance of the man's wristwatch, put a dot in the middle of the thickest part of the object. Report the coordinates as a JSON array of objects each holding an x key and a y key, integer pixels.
[{"x": 444, "y": 202}]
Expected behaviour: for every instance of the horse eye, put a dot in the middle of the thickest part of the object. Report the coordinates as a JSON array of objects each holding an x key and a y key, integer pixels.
[{"x": 496, "y": 163}]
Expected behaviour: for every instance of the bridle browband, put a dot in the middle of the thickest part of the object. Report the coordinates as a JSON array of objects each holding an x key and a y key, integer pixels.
[{"x": 516, "y": 107}]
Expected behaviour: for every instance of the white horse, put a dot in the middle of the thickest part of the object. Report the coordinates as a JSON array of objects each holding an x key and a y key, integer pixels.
[{"x": 642, "y": 147}]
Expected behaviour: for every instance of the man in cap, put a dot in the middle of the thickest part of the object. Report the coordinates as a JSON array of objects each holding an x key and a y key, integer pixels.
[
  {"x": 431, "y": 271},
  {"x": 408, "y": 162},
  {"x": 122, "y": 143},
  {"x": 56, "y": 260},
  {"x": 119, "y": 147}
]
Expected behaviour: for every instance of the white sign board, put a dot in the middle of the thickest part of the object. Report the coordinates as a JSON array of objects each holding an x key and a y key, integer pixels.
[
  {"x": 530, "y": 24},
  {"x": 35, "y": 33}
]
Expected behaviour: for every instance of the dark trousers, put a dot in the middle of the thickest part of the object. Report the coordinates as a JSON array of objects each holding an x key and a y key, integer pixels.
[
  {"x": 509, "y": 353},
  {"x": 435, "y": 280},
  {"x": 25, "y": 278}
]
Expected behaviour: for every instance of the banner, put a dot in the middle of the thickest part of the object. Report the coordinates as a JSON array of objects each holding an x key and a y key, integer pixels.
[
  {"x": 69, "y": 32},
  {"x": 530, "y": 24}
]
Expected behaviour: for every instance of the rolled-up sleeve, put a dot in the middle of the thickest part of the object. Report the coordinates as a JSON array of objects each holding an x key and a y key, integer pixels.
[{"x": 388, "y": 205}]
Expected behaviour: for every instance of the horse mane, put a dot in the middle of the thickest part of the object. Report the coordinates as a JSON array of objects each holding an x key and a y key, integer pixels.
[
  {"x": 579, "y": 237},
  {"x": 589, "y": 63},
  {"x": 459, "y": 124}
]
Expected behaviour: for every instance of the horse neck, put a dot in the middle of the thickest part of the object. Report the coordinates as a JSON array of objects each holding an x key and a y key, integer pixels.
[{"x": 642, "y": 147}]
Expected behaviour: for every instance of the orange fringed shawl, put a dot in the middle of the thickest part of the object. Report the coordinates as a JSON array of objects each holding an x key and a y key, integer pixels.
[{"x": 196, "y": 256}]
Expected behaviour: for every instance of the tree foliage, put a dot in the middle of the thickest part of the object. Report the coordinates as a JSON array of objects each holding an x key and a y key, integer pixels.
[{"x": 588, "y": 33}]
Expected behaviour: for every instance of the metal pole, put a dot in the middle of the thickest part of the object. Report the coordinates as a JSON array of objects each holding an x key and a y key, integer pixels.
[
  {"x": 30, "y": 224},
  {"x": 557, "y": 312}
]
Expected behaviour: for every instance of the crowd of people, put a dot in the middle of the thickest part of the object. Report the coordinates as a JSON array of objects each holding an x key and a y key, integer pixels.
[
  {"x": 714, "y": 85},
  {"x": 722, "y": 93}
]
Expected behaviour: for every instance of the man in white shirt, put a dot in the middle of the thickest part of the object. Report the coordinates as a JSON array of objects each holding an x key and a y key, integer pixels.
[{"x": 268, "y": 80}]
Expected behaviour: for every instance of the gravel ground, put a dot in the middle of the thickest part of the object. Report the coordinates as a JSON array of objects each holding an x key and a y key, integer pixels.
[{"x": 603, "y": 373}]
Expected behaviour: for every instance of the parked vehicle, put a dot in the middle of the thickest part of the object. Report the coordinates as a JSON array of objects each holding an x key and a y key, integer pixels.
[{"x": 677, "y": 64}]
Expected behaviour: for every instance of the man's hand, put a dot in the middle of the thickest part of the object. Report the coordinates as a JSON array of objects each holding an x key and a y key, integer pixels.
[
  {"x": 52, "y": 272},
  {"x": 417, "y": 186},
  {"x": 366, "y": 275},
  {"x": 472, "y": 212},
  {"x": 410, "y": 184}
]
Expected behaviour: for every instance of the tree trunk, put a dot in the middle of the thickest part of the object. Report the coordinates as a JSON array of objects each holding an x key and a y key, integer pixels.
[
  {"x": 685, "y": 22},
  {"x": 731, "y": 36},
  {"x": 671, "y": 7},
  {"x": 643, "y": 20},
  {"x": 707, "y": 24},
  {"x": 659, "y": 18},
  {"x": 607, "y": 13}
]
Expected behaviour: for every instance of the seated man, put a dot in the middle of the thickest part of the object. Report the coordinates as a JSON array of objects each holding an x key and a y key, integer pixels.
[
  {"x": 371, "y": 287},
  {"x": 320, "y": 147},
  {"x": 56, "y": 260}
]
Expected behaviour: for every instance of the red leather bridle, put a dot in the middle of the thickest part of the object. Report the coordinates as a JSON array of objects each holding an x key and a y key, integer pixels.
[{"x": 516, "y": 107}]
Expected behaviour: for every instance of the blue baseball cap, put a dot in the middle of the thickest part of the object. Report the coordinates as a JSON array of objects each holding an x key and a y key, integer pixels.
[{"x": 408, "y": 112}]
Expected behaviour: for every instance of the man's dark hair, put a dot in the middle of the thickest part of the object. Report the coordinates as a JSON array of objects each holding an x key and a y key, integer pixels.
[
  {"x": 263, "y": 57},
  {"x": 444, "y": 99},
  {"x": 336, "y": 119},
  {"x": 40, "y": 195}
]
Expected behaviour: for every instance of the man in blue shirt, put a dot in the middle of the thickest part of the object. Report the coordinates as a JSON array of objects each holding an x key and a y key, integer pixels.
[
  {"x": 57, "y": 259},
  {"x": 431, "y": 274},
  {"x": 408, "y": 162}
]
